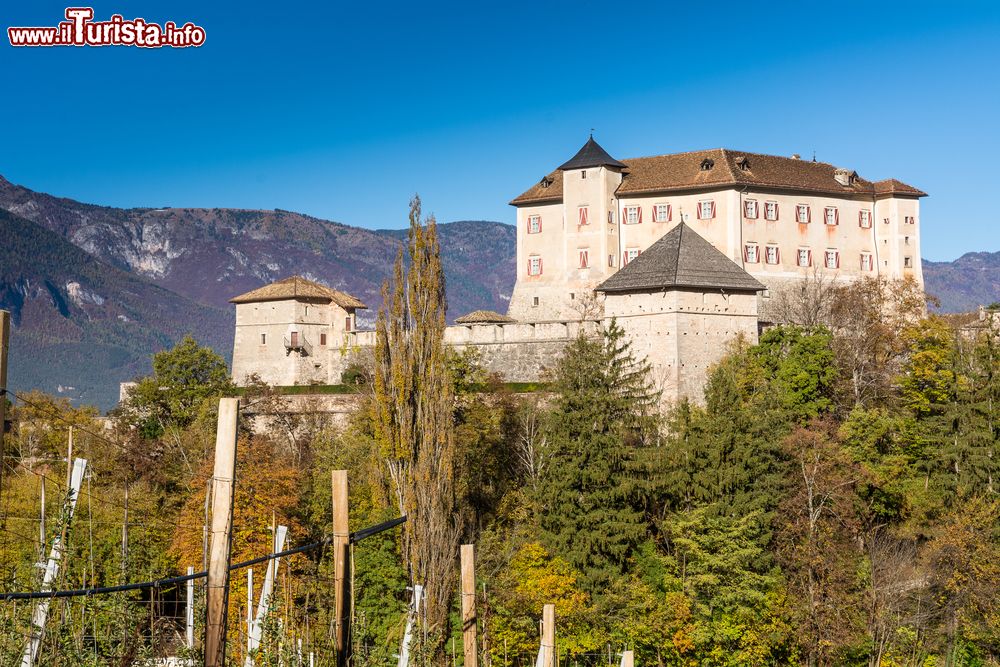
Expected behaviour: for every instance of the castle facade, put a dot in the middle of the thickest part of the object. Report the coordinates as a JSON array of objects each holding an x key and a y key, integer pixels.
[{"x": 779, "y": 218}]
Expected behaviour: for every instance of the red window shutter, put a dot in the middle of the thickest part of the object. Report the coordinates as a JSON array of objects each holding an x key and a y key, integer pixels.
[
  {"x": 625, "y": 258},
  {"x": 639, "y": 212},
  {"x": 861, "y": 218},
  {"x": 809, "y": 257},
  {"x": 539, "y": 224},
  {"x": 836, "y": 216},
  {"x": 777, "y": 255},
  {"x": 670, "y": 212},
  {"x": 837, "y": 257},
  {"x": 698, "y": 206},
  {"x": 529, "y": 267},
  {"x": 539, "y": 266},
  {"x": 776, "y": 210},
  {"x": 713, "y": 208},
  {"x": 746, "y": 253}
]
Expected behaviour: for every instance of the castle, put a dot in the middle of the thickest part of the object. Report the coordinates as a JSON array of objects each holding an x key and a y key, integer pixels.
[{"x": 684, "y": 251}]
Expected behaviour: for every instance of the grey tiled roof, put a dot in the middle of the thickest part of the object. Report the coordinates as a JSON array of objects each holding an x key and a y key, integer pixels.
[
  {"x": 591, "y": 155},
  {"x": 682, "y": 258}
]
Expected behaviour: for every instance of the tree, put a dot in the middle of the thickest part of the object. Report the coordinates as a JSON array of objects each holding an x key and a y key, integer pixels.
[
  {"x": 816, "y": 541},
  {"x": 868, "y": 317},
  {"x": 183, "y": 378},
  {"x": 413, "y": 411},
  {"x": 599, "y": 432}
]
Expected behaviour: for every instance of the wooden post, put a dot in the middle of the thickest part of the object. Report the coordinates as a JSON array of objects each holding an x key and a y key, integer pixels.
[
  {"x": 628, "y": 659},
  {"x": 223, "y": 481},
  {"x": 548, "y": 635},
  {"x": 469, "y": 642},
  {"x": 4, "y": 346},
  {"x": 342, "y": 567}
]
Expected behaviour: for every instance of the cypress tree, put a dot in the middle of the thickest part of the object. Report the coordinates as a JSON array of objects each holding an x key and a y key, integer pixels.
[{"x": 600, "y": 435}]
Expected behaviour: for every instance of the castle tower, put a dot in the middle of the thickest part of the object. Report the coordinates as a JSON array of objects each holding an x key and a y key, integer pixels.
[{"x": 567, "y": 237}]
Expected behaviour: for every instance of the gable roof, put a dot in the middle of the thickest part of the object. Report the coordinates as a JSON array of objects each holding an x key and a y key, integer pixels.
[
  {"x": 681, "y": 258},
  {"x": 484, "y": 317},
  {"x": 297, "y": 287},
  {"x": 591, "y": 155},
  {"x": 729, "y": 168}
]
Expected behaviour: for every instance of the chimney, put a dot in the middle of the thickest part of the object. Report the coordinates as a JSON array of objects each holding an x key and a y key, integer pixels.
[
  {"x": 796, "y": 156},
  {"x": 842, "y": 176}
]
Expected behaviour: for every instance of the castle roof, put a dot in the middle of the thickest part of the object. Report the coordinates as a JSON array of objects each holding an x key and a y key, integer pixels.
[
  {"x": 725, "y": 168},
  {"x": 682, "y": 258},
  {"x": 297, "y": 287},
  {"x": 591, "y": 155},
  {"x": 484, "y": 317}
]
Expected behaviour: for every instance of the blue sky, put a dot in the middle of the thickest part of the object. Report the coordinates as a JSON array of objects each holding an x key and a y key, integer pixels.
[{"x": 343, "y": 110}]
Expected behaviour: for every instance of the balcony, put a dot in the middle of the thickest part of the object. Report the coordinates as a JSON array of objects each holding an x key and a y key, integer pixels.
[{"x": 296, "y": 342}]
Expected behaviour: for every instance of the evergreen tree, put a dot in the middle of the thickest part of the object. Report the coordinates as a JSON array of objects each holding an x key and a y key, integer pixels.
[{"x": 600, "y": 432}]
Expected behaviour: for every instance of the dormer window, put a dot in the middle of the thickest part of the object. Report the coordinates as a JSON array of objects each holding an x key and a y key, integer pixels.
[
  {"x": 707, "y": 164},
  {"x": 743, "y": 163},
  {"x": 545, "y": 182},
  {"x": 844, "y": 177}
]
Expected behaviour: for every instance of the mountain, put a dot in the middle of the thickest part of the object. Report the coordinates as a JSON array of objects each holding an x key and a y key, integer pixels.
[
  {"x": 211, "y": 255},
  {"x": 107, "y": 286},
  {"x": 80, "y": 326},
  {"x": 970, "y": 281}
]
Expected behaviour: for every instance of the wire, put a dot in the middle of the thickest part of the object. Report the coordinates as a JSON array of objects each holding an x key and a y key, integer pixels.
[{"x": 356, "y": 536}]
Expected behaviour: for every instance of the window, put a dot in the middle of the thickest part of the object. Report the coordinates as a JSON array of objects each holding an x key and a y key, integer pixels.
[
  {"x": 294, "y": 335},
  {"x": 263, "y": 339},
  {"x": 772, "y": 255},
  {"x": 865, "y": 218},
  {"x": 750, "y": 253},
  {"x": 348, "y": 323},
  {"x": 534, "y": 266},
  {"x": 706, "y": 209},
  {"x": 866, "y": 261},
  {"x": 909, "y": 220},
  {"x": 632, "y": 215},
  {"x": 831, "y": 216},
  {"x": 584, "y": 214},
  {"x": 583, "y": 174},
  {"x": 534, "y": 301},
  {"x": 534, "y": 224},
  {"x": 907, "y": 262},
  {"x": 630, "y": 254},
  {"x": 802, "y": 213},
  {"x": 831, "y": 259},
  {"x": 584, "y": 258},
  {"x": 906, "y": 240},
  {"x": 770, "y": 210},
  {"x": 885, "y": 221},
  {"x": 750, "y": 209},
  {"x": 661, "y": 213},
  {"x": 804, "y": 257},
  {"x": 322, "y": 337},
  {"x": 611, "y": 218},
  {"x": 611, "y": 260}
]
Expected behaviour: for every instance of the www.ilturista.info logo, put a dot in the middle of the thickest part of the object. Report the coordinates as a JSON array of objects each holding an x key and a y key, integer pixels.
[{"x": 79, "y": 29}]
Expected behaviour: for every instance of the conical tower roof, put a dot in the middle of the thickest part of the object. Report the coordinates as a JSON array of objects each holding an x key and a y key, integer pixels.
[
  {"x": 591, "y": 155},
  {"x": 682, "y": 258}
]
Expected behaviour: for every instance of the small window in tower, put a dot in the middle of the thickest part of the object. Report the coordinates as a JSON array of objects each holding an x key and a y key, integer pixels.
[
  {"x": 583, "y": 174},
  {"x": 347, "y": 323},
  {"x": 534, "y": 224},
  {"x": 866, "y": 261},
  {"x": 584, "y": 258},
  {"x": 908, "y": 262},
  {"x": 584, "y": 213},
  {"x": 534, "y": 301},
  {"x": 263, "y": 339},
  {"x": 322, "y": 339}
]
